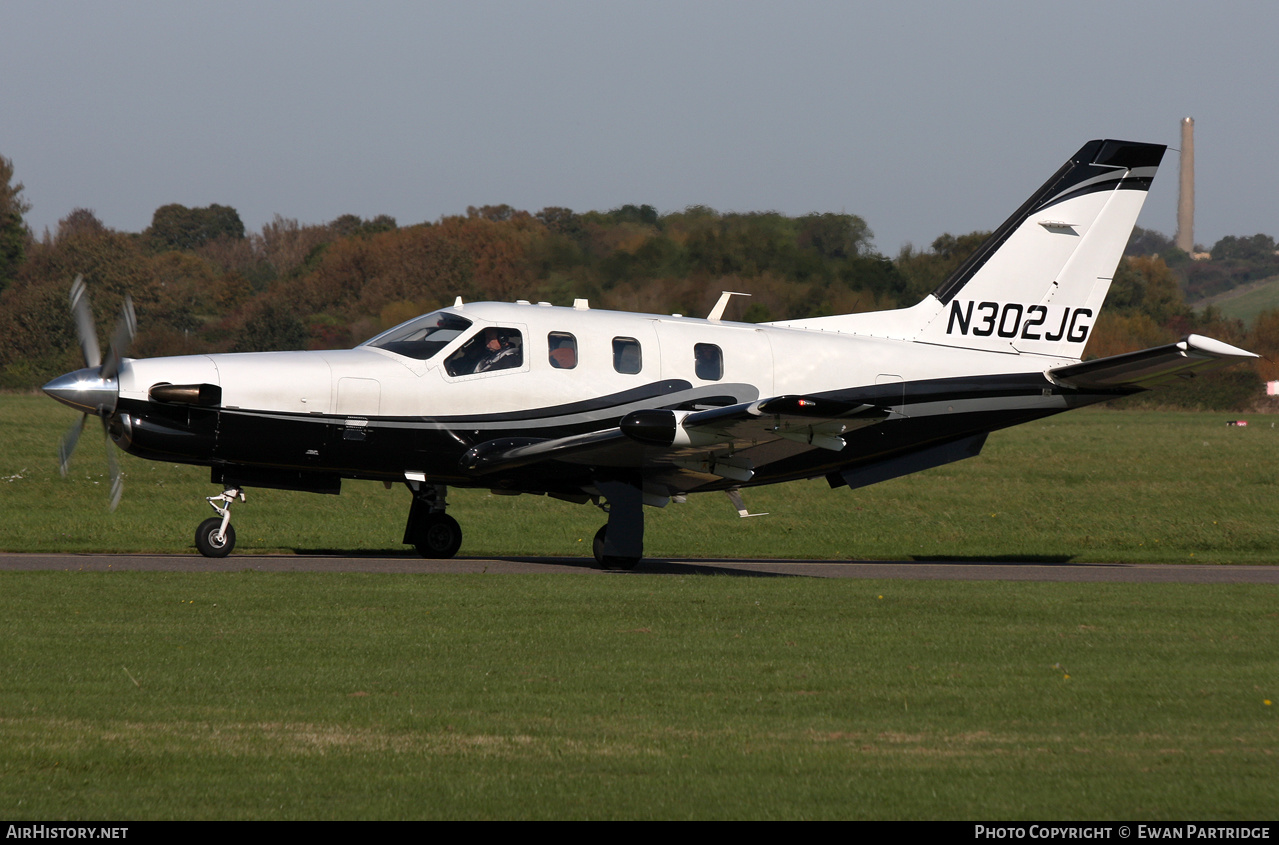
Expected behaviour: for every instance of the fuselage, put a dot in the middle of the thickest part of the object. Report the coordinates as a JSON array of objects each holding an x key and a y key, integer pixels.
[{"x": 376, "y": 412}]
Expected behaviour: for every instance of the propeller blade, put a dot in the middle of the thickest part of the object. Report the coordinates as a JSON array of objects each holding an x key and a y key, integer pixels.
[
  {"x": 83, "y": 315},
  {"x": 126, "y": 328},
  {"x": 113, "y": 468},
  {"x": 67, "y": 446},
  {"x": 97, "y": 392}
]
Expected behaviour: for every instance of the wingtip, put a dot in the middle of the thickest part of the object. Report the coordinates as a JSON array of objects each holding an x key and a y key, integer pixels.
[{"x": 1212, "y": 346}]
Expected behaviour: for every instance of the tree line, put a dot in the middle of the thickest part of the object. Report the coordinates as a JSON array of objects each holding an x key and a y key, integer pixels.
[{"x": 201, "y": 282}]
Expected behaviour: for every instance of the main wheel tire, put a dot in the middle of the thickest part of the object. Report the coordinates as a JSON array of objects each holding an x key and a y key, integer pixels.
[
  {"x": 610, "y": 561},
  {"x": 597, "y": 545},
  {"x": 439, "y": 538},
  {"x": 206, "y": 538}
]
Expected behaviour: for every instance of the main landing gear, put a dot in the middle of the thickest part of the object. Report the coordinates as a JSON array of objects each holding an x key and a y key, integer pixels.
[
  {"x": 620, "y": 543},
  {"x": 610, "y": 561},
  {"x": 434, "y": 533},
  {"x": 215, "y": 537},
  {"x": 617, "y": 545}
]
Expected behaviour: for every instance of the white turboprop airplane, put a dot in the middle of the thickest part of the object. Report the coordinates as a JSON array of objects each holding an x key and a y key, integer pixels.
[{"x": 626, "y": 410}]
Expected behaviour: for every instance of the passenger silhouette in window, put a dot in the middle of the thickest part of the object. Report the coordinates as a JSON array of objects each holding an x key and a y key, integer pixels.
[
  {"x": 563, "y": 350},
  {"x": 626, "y": 355},
  {"x": 708, "y": 361}
]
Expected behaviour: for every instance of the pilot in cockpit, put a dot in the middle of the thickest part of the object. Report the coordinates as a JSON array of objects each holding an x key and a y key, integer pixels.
[{"x": 500, "y": 351}]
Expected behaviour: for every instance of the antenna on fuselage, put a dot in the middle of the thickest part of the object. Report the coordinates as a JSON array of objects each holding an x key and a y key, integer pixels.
[{"x": 718, "y": 311}]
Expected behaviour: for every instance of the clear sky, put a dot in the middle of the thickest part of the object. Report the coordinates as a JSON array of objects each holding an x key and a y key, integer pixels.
[{"x": 922, "y": 117}]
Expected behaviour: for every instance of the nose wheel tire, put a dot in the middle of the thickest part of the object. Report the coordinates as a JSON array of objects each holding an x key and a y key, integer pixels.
[
  {"x": 206, "y": 538},
  {"x": 439, "y": 538},
  {"x": 610, "y": 561}
]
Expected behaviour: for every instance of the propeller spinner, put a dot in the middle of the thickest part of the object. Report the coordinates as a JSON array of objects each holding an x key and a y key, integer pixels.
[{"x": 96, "y": 388}]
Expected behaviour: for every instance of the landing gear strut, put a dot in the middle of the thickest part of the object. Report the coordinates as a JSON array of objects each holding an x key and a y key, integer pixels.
[
  {"x": 434, "y": 533},
  {"x": 620, "y": 543},
  {"x": 215, "y": 537}
]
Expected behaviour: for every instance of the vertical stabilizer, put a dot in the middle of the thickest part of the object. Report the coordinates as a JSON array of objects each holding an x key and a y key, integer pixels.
[{"x": 1037, "y": 284}]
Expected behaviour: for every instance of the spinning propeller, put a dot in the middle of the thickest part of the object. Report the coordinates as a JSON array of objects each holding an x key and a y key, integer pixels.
[{"x": 96, "y": 388}]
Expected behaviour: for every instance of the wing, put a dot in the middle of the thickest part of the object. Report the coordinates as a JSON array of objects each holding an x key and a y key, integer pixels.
[
  {"x": 1151, "y": 367},
  {"x": 713, "y": 444}
]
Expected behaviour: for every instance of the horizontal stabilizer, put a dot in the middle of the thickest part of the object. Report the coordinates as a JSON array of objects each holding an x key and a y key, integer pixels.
[{"x": 1151, "y": 367}]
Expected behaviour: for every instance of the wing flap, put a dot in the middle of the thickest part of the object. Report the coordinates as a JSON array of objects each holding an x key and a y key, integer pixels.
[
  {"x": 661, "y": 437},
  {"x": 1151, "y": 367},
  {"x": 808, "y": 420},
  {"x": 511, "y": 453}
]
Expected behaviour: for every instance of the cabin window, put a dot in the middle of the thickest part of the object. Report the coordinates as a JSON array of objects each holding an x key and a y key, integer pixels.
[
  {"x": 563, "y": 350},
  {"x": 493, "y": 348},
  {"x": 708, "y": 361},
  {"x": 626, "y": 355},
  {"x": 422, "y": 337}
]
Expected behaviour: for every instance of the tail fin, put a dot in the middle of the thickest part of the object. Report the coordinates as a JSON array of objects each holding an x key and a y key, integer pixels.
[{"x": 1037, "y": 283}]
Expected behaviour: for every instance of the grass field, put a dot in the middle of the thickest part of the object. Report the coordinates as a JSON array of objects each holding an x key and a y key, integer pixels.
[
  {"x": 1247, "y": 301},
  {"x": 285, "y": 696},
  {"x": 241, "y": 694},
  {"x": 1083, "y": 486}
]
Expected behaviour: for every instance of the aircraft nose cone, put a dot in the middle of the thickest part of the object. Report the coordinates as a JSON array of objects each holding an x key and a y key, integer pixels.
[{"x": 86, "y": 390}]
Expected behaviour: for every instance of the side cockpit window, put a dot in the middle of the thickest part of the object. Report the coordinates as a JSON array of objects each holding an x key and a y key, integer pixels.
[
  {"x": 708, "y": 361},
  {"x": 493, "y": 348},
  {"x": 423, "y": 337},
  {"x": 626, "y": 355},
  {"x": 563, "y": 350}
]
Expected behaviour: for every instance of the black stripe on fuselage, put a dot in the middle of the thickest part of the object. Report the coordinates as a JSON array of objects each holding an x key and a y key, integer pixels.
[
  {"x": 353, "y": 449},
  {"x": 653, "y": 390}
]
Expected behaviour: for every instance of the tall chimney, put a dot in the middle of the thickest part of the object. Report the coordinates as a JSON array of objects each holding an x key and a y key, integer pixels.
[{"x": 1186, "y": 203}]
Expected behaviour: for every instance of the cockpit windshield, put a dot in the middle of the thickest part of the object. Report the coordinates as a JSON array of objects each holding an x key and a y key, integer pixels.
[{"x": 423, "y": 337}]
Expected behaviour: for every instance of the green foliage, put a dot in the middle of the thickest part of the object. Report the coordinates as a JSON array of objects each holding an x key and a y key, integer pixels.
[
  {"x": 834, "y": 235},
  {"x": 1147, "y": 242},
  {"x": 350, "y": 225},
  {"x": 80, "y": 223},
  {"x": 35, "y": 321},
  {"x": 1258, "y": 248},
  {"x": 271, "y": 328},
  {"x": 1146, "y": 284},
  {"x": 1209, "y": 278},
  {"x": 924, "y": 272},
  {"x": 644, "y": 215},
  {"x": 14, "y": 234},
  {"x": 562, "y": 221},
  {"x": 175, "y": 226}
]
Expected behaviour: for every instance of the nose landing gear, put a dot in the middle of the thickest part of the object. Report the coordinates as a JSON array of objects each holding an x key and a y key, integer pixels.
[
  {"x": 435, "y": 534},
  {"x": 215, "y": 537}
]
